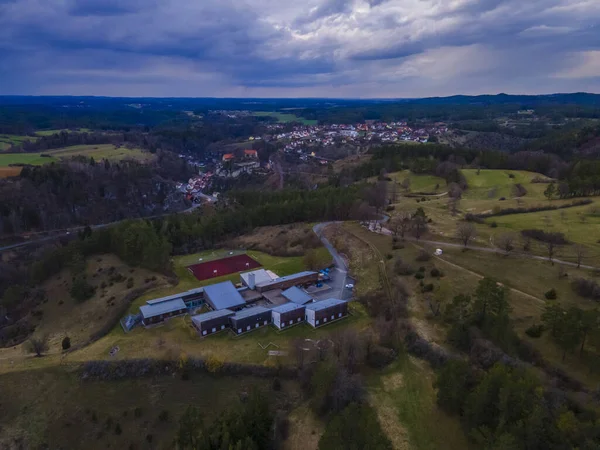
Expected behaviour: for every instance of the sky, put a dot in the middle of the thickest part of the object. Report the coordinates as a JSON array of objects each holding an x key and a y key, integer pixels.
[{"x": 291, "y": 48}]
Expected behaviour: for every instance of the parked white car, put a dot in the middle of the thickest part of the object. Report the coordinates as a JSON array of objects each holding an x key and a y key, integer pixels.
[
  {"x": 438, "y": 252},
  {"x": 349, "y": 286}
]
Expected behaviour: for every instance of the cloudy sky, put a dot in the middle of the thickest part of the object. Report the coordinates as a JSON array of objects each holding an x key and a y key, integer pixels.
[{"x": 298, "y": 48}]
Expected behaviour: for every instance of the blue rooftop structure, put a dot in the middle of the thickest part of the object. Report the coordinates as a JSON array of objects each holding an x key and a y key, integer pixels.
[
  {"x": 297, "y": 295},
  {"x": 164, "y": 307},
  {"x": 182, "y": 295},
  {"x": 199, "y": 318},
  {"x": 324, "y": 304},
  {"x": 249, "y": 312},
  {"x": 223, "y": 295},
  {"x": 287, "y": 307}
]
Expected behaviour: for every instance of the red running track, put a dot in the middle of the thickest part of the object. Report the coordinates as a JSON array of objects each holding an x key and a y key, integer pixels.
[{"x": 225, "y": 266}]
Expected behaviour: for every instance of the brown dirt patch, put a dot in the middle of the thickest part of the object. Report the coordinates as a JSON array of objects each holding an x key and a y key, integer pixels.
[{"x": 282, "y": 240}]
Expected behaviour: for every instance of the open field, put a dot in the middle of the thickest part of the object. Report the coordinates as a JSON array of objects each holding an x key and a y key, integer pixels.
[
  {"x": 8, "y": 140},
  {"x": 501, "y": 183},
  {"x": 418, "y": 182},
  {"x": 54, "y": 407},
  {"x": 6, "y": 172},
  {"x": 282, "y": 117},
  {"x": 101, "y": 151},
  {"x": 405, "y": 400},
  {"x": 34, "y": 159},
  {"x": 98, "y": 152},
  {"x": 51, "y": 132}
]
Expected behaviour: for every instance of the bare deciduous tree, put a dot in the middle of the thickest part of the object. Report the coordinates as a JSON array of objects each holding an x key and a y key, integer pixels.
[
  {"x": 465, "y": 232},
  {"x": 434, "y": 304},
  {"x": 37, "y": 345},
  {"x": 405, "y": 184},
  {"x": 506, "y": 242},
  {"x": 580, "y": 254}
]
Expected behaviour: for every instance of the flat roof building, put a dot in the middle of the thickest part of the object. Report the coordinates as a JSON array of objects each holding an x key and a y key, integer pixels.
[
  {"x": 287, "y": 315},
  {"x": 212, "y": 322},
  {"x": 251, "y": 279},
  {"x": 325, "y": 311},
  {"x": 223, "y": 296},
  {"x": 288, "y": 281},
  {"x": 297, "y": 295},
  {"x": 249, "y": 319},
  {"x": 155, "y": 311}
]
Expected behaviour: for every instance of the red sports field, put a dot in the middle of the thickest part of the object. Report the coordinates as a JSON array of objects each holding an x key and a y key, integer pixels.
[{"x": 225, "y": 266}]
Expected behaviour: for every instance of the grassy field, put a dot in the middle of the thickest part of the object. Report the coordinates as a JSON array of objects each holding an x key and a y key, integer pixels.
[
  {"x": 404, "y": 398},
  {"x": 51, "y": 132},
  {"x": 98, "y": 152},
  {"x": 418, "y": 182},
  {"x": 8, "y": 140},
  {"x": 481, "y": 182},
  {"x": 34, "y": 159},
  {"x": 285, "y": 118},
  {"x": 54, "y": 407}
]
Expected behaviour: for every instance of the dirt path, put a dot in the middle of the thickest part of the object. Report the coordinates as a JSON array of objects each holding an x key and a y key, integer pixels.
[{"x": 456, "y": 266}]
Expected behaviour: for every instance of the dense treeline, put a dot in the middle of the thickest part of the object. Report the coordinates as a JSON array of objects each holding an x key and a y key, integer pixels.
[
  {"x": 507, "y": 406},
  {"x": 246, "y": 426},
  {"x": 149, "y": 243},
  {"x": 577, "y": 179},
  {"x": 84, "y": 191}
]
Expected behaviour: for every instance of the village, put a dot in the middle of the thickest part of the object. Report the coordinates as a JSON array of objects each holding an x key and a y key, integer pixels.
[
  {"x": 360, "y": 134},
  {"x": 303, "y": 142}
]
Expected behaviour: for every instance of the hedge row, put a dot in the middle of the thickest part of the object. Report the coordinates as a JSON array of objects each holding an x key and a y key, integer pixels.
[
  {"x": 508, "y": 211},
  {"x": 136, "y": 368}
]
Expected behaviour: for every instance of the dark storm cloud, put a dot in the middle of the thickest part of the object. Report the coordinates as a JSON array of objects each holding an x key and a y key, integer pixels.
[{"x": 387, "y": 48}]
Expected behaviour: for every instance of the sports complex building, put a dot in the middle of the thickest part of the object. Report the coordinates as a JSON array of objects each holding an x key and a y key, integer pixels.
[{"x": 261, "y": 298}]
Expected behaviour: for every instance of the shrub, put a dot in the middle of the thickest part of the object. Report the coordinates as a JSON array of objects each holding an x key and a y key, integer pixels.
[
  {"x": 493, "y": 225},
  {"x": 118, "y": 429},
  {"x": 428, "y": 288},
  {"x": 66, "y": 343},
  {"x": 535, "y": 331},
  {"x": 543, "y": 236},
  {"x": 390, "y": 208},
  {"x": 276, "y": 384},
  {"x": 423, "y": 256},
  {"x": 129, "y": 283},
  {"x": 422, "y": 269},
  {"x": 380, "y": 356},
  {"x": 502, "y": 199},
  {"x": 436, "y": 273},
  {"x": 419, "y": 276},
  {"x": 389, "y": 256},
  {"x": 137, "y": 412},
  {"x": 397, "y": 246},
  {"x": 164, "y": 416},
  {"x": 402, "y": 268},
  {"x": 551, "y": 294},
  {"x": 586, "y": 288},
  {"x": 81, "y": 290},
  {"x": 470, "y": 217}
]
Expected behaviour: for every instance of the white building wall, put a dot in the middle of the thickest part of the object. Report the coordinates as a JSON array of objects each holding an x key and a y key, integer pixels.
[
  {"x": 310, "y": 317},
  {"x": 277, "y": 319}
]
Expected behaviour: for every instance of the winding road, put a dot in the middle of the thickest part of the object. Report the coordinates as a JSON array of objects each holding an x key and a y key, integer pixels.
[{"x": 338, "y": 281}]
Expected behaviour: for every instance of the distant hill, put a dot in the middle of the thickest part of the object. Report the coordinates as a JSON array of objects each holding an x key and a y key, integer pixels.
[{"x": 578, "y": 98}]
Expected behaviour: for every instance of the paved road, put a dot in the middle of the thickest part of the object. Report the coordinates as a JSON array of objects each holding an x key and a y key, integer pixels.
[{"x": 339, "y": 274}]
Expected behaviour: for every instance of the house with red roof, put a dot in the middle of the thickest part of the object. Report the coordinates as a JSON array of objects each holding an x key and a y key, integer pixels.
[{"x": 250, "y": 154}]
